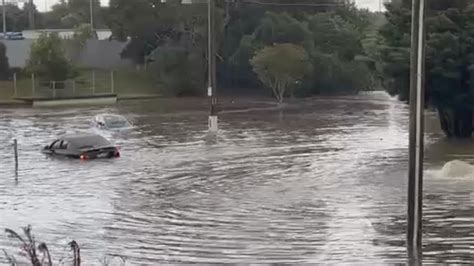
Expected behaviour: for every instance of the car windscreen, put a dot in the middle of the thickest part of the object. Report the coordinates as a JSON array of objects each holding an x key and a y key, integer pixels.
[
  {"x": 88, "y": 142},
  {"x": 116, "y": 122}
]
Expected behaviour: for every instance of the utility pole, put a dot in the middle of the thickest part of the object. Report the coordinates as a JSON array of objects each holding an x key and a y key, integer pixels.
[
  {"x": 212, "y": 80},
  {"x": 91, "y": 6},
  {"x": 416, "y": 142},
  {"x": 31, "y": 15},
  {"x": 4, "y": 14}
]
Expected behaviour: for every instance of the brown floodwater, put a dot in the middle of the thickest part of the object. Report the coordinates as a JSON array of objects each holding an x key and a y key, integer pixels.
[{"x": 321, "y": 180}]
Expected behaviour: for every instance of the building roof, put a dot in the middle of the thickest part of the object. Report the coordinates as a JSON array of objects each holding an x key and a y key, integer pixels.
[
  {"x": 100, "y": 54},
  {"x": 102, "y": 34}
]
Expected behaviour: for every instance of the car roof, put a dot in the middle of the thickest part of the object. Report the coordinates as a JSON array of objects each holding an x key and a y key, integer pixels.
[
  {"x": 86, "y": 140},
  {"x": 110, "y": 116}
]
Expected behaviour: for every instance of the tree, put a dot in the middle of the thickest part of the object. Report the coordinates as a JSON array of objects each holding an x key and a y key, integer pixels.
[
  {"x": 4, "y": 65},
  {"x": 274, "y": 28},
  {"x": 174, "y": 63},
  {"x": 449, "y": 60},
  {"x": 82, "y": 33},
  {"x": 73, "y": 13},
  {"x": 48, "y": 60},
  {"x": 281, "y": 67},
  {"x": 334, "y": 35}
]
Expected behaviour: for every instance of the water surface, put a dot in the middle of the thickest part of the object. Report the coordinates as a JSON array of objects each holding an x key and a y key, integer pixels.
[{"x": 323, "y": 180}]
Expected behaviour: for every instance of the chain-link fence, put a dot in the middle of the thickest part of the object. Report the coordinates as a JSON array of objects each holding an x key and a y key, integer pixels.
[{"x": 88, "y": 83}]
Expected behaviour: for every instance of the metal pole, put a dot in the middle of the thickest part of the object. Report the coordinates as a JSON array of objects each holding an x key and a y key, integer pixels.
[
  {"x": 15, "y": 152},
  {"x": 212, "y": 80},
  {"x": 4, "y": 14},
  {"x": 416, "y": 153},
  {"x": 54, "y": 89}
]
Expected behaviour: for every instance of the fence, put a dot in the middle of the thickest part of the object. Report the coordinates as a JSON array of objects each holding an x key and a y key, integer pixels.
[{"x": 88, "y": 83}]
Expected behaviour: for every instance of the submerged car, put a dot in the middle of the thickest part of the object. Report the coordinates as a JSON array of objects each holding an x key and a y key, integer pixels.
[
  {"x": 111, "y": 122},
  {"x": 82, "y": 146}
]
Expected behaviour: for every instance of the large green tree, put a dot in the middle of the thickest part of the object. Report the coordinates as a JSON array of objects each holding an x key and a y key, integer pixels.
[{"x": 449, "y": 60}]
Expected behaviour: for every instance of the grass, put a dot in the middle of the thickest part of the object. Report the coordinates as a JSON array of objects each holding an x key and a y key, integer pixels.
[{"x": 127, "y": 83}]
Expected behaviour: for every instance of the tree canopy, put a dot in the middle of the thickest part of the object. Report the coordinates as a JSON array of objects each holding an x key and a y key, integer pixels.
[
  {"x": 281, "y": 67},
  {"x": 449, "y": 60},
  {"x": 73, "y": 13}
]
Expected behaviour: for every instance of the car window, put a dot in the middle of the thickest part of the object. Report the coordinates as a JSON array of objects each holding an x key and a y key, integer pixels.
[
  {"x": 63, "y": 145},
  {"x": 56, "y": 145}
]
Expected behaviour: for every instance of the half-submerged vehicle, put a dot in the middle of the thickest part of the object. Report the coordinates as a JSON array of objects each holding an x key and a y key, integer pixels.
[
  {"x": 82, "y": 146},
  {"x": 111, "y": 122}
]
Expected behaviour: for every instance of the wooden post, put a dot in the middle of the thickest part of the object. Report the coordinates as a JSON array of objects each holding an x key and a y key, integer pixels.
[
  {"x": 15, "y": 88},
  {"x": 33, "y": 85},
  {"x": 15, "y": 152},
  {"x": 416, "y": 143},
  {"x": 112, "y": 81},
  {"x": 93, "y": 82},
  {"x": 54, "y": 89}
]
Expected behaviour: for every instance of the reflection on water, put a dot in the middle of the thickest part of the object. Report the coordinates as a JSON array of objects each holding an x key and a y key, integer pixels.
[{"x": 323, "y": 180}]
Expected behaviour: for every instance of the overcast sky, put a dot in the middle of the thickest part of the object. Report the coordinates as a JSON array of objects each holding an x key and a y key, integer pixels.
[{"x": 42, "y": 4}]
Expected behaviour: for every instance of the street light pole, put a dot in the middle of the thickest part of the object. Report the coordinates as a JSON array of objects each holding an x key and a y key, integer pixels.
[
  {"x": 212, "y": 80},
  {"x": 416, "y": 142}
]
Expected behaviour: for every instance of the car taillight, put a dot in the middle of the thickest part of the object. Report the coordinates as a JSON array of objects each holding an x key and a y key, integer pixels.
[
  {"x": 117, "y": 152},
  {"x": 84, "y": 157}
]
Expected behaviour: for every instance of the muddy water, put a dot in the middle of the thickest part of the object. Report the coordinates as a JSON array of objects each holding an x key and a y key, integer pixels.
[{"x": 323, "y": 180}]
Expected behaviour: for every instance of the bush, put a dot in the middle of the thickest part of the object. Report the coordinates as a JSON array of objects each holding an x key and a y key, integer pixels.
[{"x": 48, "y": 59}]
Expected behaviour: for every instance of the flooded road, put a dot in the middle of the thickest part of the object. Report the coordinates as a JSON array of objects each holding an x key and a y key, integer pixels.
[{"x": 322, "y": 181}]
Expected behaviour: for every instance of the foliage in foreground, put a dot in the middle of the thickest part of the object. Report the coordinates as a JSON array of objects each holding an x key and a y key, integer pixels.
[
  {"x": 281, "y": 67},
  {"x": 39, "y": 255}
]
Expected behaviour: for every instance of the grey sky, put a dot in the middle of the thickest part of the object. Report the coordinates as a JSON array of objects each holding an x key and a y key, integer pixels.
[{"x": 42, "y": 4}]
